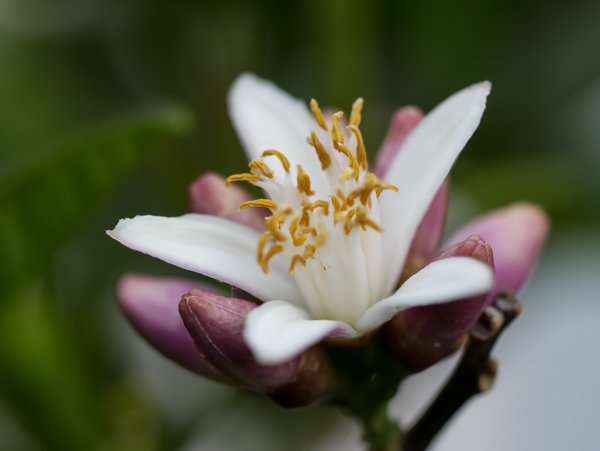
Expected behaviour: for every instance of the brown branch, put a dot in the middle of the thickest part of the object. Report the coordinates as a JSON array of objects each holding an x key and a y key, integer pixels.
[{"x": 474, "y": 374}]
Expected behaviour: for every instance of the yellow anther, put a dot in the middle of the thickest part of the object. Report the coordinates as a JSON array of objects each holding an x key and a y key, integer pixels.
[
  {"x": 347, "y": 174},
  {"x": 309, "y": 251},
  {"x": 275, "y": 249},
  {"x": 341, "y": 147},
  {"x": 282, "y": 158},
  {"x": 316, "y": 111},
  {"x": 298, "y": 240},
  {"x": 303, "y": 180},
  {"x": 245, "y": 177},
  {"x": 297, "y": 258},
  {"x": 355, "y": 116},
  {"x": 262, "y": 243},
  {"x": 337, "y": 137},
  {"x": 320, "y": 204},
  {"x": 385, "y": 186},
  {"x": 348, "y": 223},
  {"x": 273, "y": 223},
  {"x": 322, "y": 235},
  {"x": 362, "y": 218},
  {"x": 322, "y": 153},
  {"x": 361, "y": 152},
  {"x": 258, "y": 165},
  {"x": 266, "y": 203},
  {"x": 336, "y": 204}
]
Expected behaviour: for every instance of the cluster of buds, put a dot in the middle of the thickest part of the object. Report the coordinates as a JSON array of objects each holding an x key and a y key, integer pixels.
[{"x": 202, "y": 329}]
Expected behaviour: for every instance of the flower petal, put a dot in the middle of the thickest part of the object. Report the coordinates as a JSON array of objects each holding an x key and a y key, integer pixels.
[
  {"x": 208, "y": 245},
  {"x": 444, "y": 280},
  {"x": 420, "y": 168},
  {"x": 266, "y": 117},
  {"x": 276, "y": 332}
]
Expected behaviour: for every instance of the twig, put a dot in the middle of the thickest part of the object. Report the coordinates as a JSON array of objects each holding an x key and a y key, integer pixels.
[{"x": 474, "y": 374}]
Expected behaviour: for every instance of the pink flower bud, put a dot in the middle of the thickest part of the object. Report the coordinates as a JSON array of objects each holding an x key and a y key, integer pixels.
[
  {"x": 150, "y": 304},
  {"x": 421, "y": 336},
  {"x": 427, "y": 237},
  {"x": 216, "y": 323},
  {"x": 402, "y": 123},
  {"x": 209, "y": 196},
  {"x": 516, "y": 233}
]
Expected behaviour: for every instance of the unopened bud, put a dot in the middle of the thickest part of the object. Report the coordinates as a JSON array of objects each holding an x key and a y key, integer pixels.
[
  {"x": 150, "y": 304},
  {"x": 216, "y": 324},
  {"x": 516, "y": 233},
  {"x": 421, "y": 336},
  {"x": 210, "y": 196}
]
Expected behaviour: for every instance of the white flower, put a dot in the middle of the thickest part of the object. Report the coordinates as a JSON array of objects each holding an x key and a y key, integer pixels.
[{"x": 335, "y": 245}]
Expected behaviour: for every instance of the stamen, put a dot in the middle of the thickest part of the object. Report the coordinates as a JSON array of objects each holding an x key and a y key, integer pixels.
[
  {"x": 273, "y": 223},
  {"x": 337, "y": 137},
  {"x": 266, "y": 203},
  {"x": 258, "y": 165},
  {"x": 275, "y": 249},
  {"x": 282, "y": 158},
  {"x": 304, "y": 182},
  {"x": 362, "y": 218},
  {"x": 322, "y": 153},
  {"x": 361, "y": 152},
  {"x": 320, "y": 204},
  {"x": 262, "y": 243},
  {"x": 355, "y": 116},
  {"x": 316, "y": 111},
  {"x": 297, "y": 258},
  {"x": 245, "y": 177},
  {"x": 298, "y": 240},
  {"x": 341, "y": 147},
  {"x": 309, "y": 251}
]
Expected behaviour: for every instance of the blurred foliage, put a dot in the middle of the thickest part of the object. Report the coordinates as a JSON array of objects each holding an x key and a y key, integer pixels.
[{"x": 88, "y": 135}]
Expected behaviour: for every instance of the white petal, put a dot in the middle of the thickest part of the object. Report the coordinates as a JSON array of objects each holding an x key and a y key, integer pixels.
[
  {"x": 445, "y": 280},
  {"x": 276, "y": 332},
  {"x": 266, "y": 117},
  {"x": 420, "y": 168},
  {"x": 208, "y": 245}
]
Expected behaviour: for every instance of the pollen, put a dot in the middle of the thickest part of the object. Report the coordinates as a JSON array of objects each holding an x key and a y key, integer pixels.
[{"x": 302, "y": 223}]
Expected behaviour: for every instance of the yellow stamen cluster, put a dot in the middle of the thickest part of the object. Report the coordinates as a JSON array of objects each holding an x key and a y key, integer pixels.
[{"x": 304, "y": 228}]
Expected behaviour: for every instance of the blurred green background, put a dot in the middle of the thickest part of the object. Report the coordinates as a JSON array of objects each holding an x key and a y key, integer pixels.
[{"x": 110, "y": 108}]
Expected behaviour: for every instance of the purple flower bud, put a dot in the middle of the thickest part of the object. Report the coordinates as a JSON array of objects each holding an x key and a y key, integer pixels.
[
  {"x": 427, "y": 237},
  {"x": 516, "y": 233},
  {"x": 209, "y": 196},
  {"x": 150, "y": 304},
  {"x": 421, "y": 336},
  {"x": 402, "y": 123},
  {"x": 216, "y": 323}
]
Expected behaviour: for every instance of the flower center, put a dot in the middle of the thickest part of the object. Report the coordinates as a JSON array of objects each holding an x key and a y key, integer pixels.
[{"x": 331, "y": 239}]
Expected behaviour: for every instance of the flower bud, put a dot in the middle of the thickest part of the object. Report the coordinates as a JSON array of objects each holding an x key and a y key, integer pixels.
[
  {"x": 427, "y": 237},
  {"x": 216, "y": 324},
  {"x": 402, "y": 123},
  {"x": 209, "y": 196},
  {"x": 150, "y": 304},
  {"x": 516, "y": 233},
  {"x": 421, "y": 336}
]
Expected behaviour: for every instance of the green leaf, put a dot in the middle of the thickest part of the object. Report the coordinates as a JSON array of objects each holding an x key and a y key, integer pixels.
[{"x": 44, "y": 200}]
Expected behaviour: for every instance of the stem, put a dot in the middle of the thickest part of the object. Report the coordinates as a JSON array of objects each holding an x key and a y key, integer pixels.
[
  {"x": 380, "y": 432},
  {"x": 474, "y": 374},
  {"x": 367, "y": 380}
]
